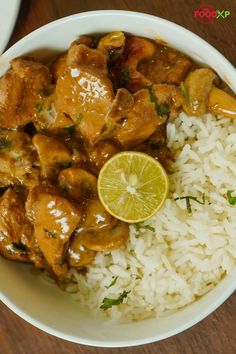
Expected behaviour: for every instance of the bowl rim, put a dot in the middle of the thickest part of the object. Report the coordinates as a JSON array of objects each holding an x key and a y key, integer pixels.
[{"x": 224, "y": 295}]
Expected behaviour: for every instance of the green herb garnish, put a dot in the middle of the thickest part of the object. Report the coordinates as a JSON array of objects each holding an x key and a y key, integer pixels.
[
  {"x": 4, "y": 143},
  {"x": 162, "y": 109},
  {"x": 50, "y": 233},
  {"x": 38, "y": 107},
  {"x": 71, "y": 128},
  {"x": 230, "y": 197},
  {"x": 108, "y": 303},
  {"x": 125, "y": 77},
  {"x": 139, "y": 226},
  {"x": 155, "y": 145},
  {"x": 184, "y": 92},
  {"x": 188, "y": 203},
  {"x": 112, "y": 283}
]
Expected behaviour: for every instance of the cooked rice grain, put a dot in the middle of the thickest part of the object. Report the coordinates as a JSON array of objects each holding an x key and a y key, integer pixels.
[{"x": 189, "y": 253}]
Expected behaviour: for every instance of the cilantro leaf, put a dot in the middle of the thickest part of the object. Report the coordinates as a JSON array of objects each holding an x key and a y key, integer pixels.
[
  {"x": 125, "y": 77},
  {"x": 71, "y": 128},
  {"x": 112, "y": 283},
  {"x": 108, "y": 303},
  {"x": 139, "y": 226},
  {"x": 162, "y": 109},
  {"x": 188, "y": 203},
  {"x": 50, "y": 233},
  {"x": 184, "y": 92},
  {"x": 230, "y": 197}
]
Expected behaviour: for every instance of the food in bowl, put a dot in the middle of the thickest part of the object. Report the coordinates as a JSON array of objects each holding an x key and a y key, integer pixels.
[{"x": 63, "y": 123}]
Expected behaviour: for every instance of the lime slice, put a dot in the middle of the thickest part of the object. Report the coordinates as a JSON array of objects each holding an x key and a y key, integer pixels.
[{"x": 132, "y": 186}]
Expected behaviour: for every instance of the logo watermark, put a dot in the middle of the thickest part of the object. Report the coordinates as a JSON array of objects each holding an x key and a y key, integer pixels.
[{"x": 206, "y": 14}]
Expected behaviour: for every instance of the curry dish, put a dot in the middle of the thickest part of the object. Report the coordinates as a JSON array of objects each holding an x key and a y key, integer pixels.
[{"x": 60, "y": 123}]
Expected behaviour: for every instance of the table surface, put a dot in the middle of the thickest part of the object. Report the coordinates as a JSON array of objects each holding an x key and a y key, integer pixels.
[{"x": 217, "y": 333}]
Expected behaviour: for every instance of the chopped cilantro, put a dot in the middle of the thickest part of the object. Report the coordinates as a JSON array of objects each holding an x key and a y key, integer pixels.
[
  {"x": 50, "y": 233},
  {"x": 188, "y": 203},
  {"x": 112, "y": 283},
  {"x": 230, "y": 197},
  {"x": 184, "y": 92},
  {"x": 155, "y": 145},
  {"x": 139, "y": 226},
  {"x": 108, "y": 303},
  {"x": 71, "y": 128},
  {"x": 38, "y": 107},
  {"x": 125, "y": 77},
  {"x": 161, "y": 109}
]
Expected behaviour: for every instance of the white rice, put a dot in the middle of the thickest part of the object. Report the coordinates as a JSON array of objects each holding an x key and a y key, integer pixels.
[{"x": 188, "y": 254}]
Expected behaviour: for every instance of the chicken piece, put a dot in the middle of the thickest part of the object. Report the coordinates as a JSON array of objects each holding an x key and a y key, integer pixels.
[
  {"x": 78, "y": 183},
  {"x": 166, "y": 66},
  {"x": 105, "y": 239},
  {"x": 35, "y": 73},
  {"x": 84, "y": 92},
  {"x": 58, "y": 66},
  {"x": 125, "y": 72},
  {"x": 21, "y": 90},
  {"x": 15, "y": 229},
  {"x": 78, "y": 255},
  {"x": 55, "y": 221},
  {"x": 156, "y": 147},
  {"x": 198, "y": 85},
  {"x": 17, "y": 156},
  {"x": 81, "y": 55},
  {"x": 102, "y": 152},
  {"x": 34, "y": 195},
  {"x": 53, "y": 155},
  {"x": 169, "y": 98},
  {"x": 136, "y": 121},
  {"x": 49, "y": 118},
  {"x": 220, "y": 102}
]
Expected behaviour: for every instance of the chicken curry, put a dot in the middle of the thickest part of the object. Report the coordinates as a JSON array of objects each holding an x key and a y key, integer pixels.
[{"x": 60, "y": 123}]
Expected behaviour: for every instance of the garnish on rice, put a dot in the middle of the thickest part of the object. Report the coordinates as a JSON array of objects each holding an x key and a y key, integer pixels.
[
  {"x": 190, "y": 198},
  {"x": 112, "y": 283},
  {"x": 230, "y": 197},
  {"x": 107, "y": 303}
]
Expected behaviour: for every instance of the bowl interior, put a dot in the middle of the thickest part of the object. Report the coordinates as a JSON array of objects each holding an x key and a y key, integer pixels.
[{"x": 43, "y": 304}]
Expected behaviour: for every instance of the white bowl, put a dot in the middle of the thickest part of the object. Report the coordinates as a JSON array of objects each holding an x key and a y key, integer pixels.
[{"x": 44, "y": 305}]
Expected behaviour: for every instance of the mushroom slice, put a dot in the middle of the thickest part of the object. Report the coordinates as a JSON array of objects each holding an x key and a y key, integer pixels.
[
  {"x": 78, "y": 183},
  {"x": 96, "y": 216},
  {"x": 220, "y": 102},
  {"x": 105, "y": 239},
  {"x": 111, "y": 40},
  {"x": 198, "y": 85},
  {"x": 53, "y": 155},
  {"x": 78, "y": 255}
]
